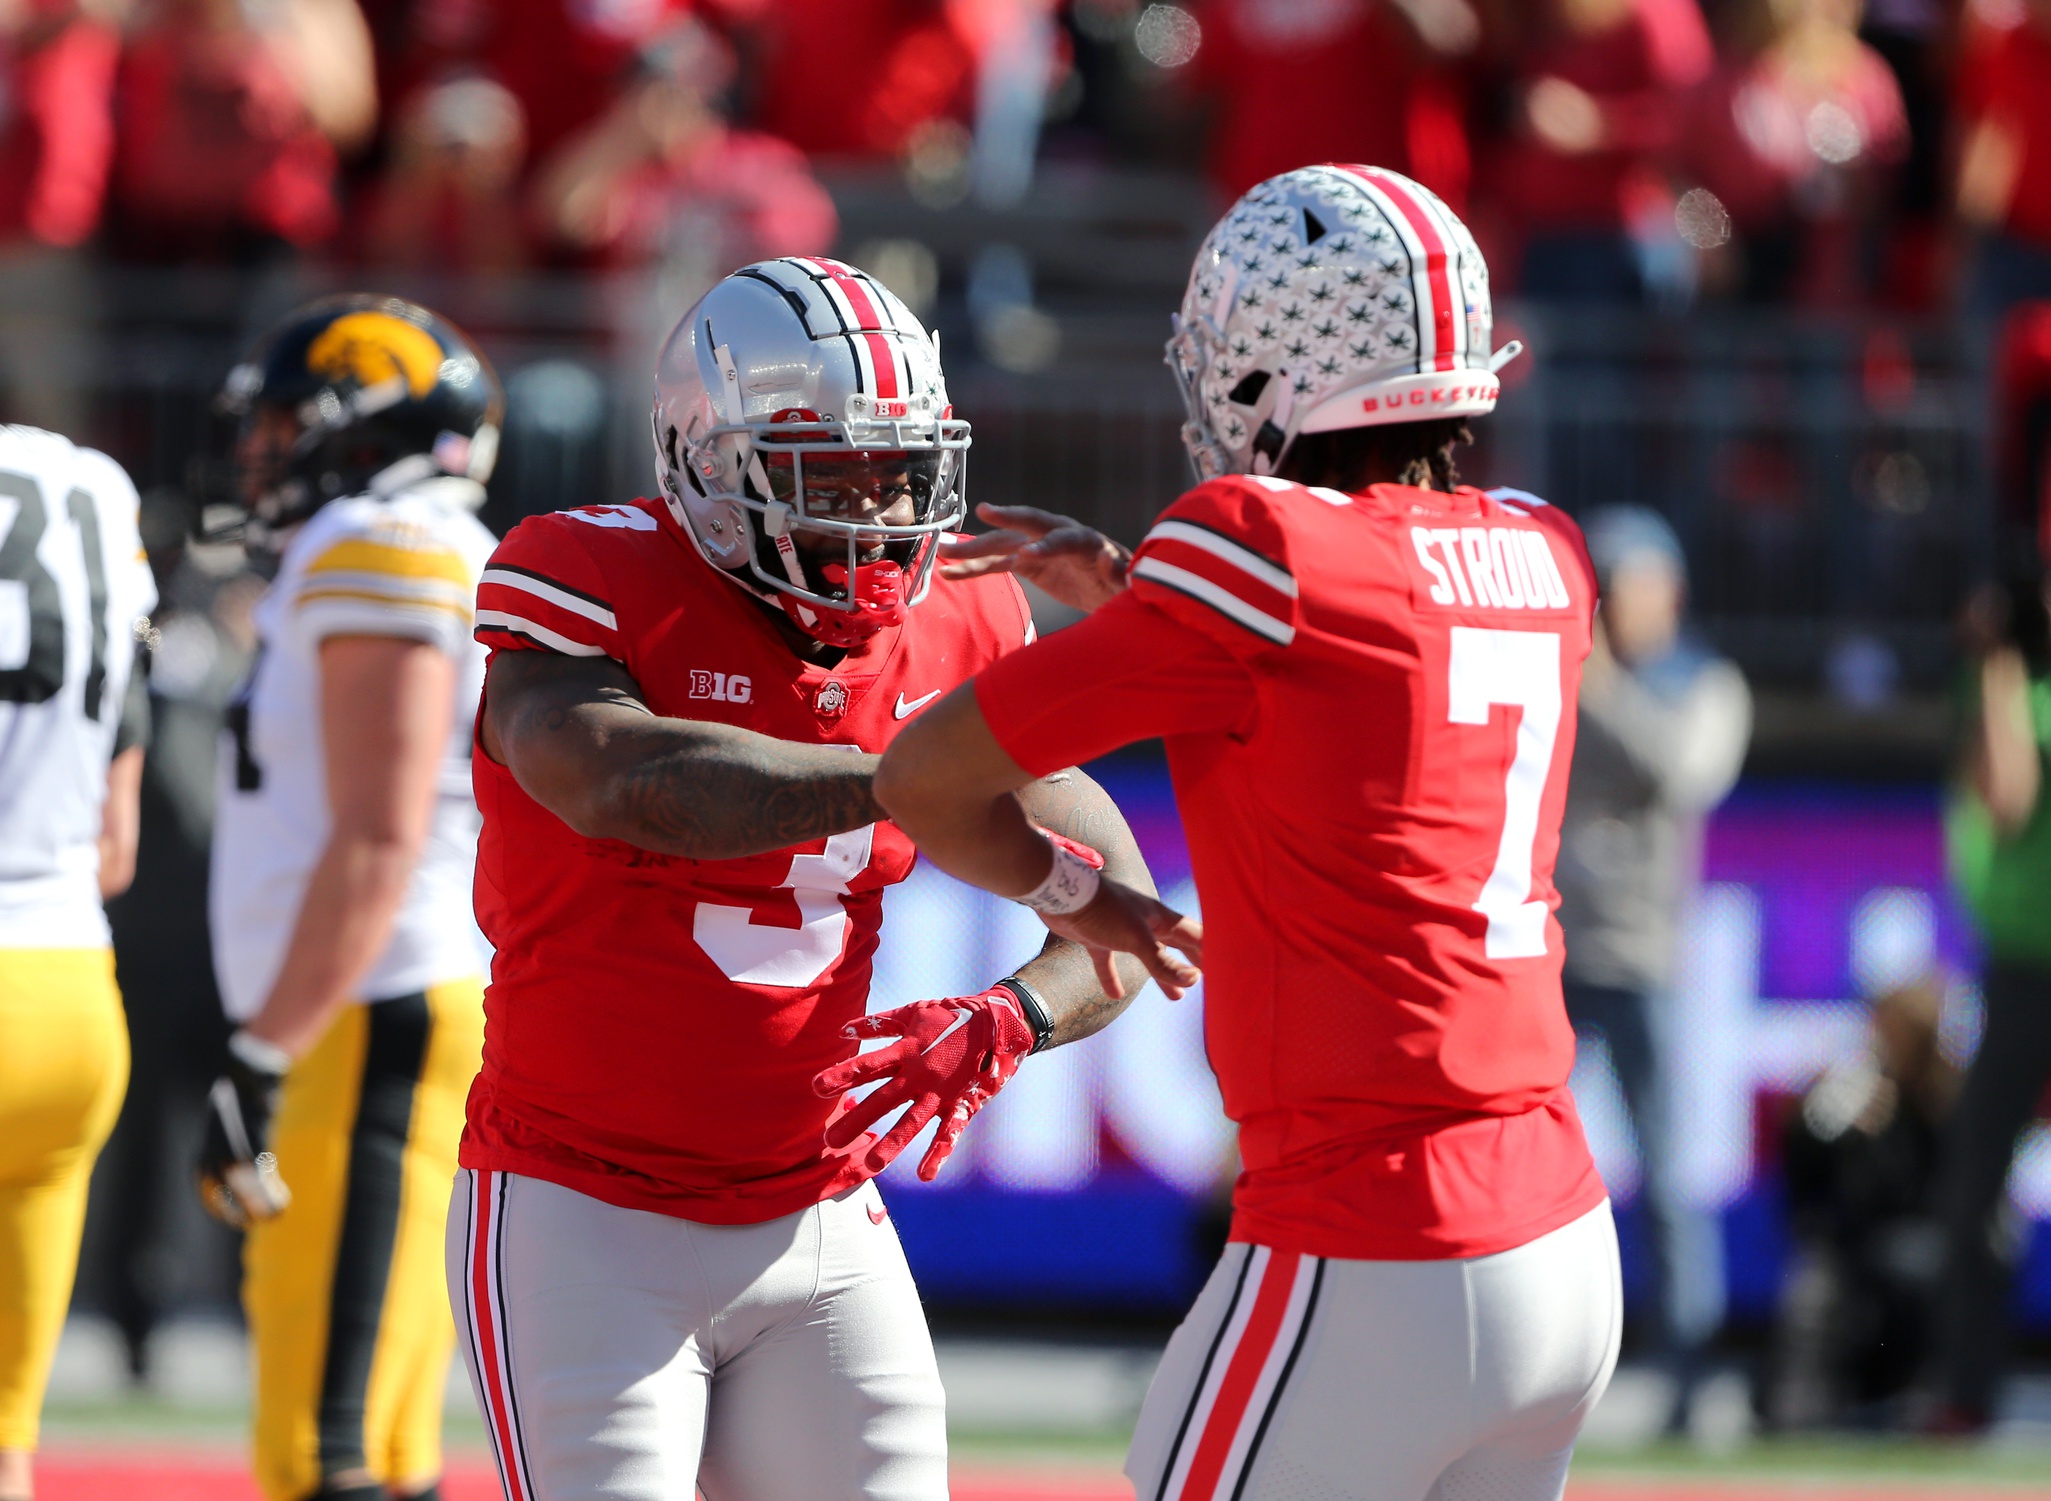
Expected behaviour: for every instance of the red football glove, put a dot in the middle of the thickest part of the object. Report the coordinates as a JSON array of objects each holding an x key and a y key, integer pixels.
[{"x": 950, "y": 1059}]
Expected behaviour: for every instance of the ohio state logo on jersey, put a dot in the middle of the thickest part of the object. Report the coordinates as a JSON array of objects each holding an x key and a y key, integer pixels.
[{"x": 831, "y": 699}]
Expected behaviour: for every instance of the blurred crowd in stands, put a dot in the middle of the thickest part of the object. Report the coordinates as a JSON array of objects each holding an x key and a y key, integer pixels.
[{"x": 1828, "y": 153}]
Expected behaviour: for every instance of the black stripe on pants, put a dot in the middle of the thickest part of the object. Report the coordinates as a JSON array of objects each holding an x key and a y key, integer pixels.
[{"x": 392, "y": 1061}]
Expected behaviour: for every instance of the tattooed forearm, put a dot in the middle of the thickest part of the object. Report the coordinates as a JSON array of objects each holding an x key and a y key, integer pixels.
[
  {"x": 577, "y": 737},
  {"x": 1070, "y": 804},
  {"x": 721, "y": 796}
]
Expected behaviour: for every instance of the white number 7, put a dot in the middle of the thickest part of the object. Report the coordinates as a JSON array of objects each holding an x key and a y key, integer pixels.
[{"x": 1520, "y": 668}]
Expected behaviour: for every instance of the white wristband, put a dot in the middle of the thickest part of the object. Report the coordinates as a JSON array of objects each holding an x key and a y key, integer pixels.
[
  {"x": 1070, "y": 886},
  {"x": 264, "y": 1057}
]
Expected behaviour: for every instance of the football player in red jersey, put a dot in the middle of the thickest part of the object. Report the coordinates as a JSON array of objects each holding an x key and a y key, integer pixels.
[
  {"x": 1365, "y": 675},
  {"x": 665, "y": 1275}
]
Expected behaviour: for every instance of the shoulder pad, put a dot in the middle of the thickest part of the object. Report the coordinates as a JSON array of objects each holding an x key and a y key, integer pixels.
[
  {"x": 545, "y": 589},
  {"x": 1222, "y": 553}
]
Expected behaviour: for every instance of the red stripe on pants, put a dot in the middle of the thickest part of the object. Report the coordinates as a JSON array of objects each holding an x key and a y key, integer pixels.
[
  {"x": 500, "y": 1411},
  {"x": 1256, "y": 1342}
]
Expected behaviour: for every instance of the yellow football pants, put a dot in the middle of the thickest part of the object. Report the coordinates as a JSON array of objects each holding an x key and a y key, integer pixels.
[
  {"x": 63, "y": 1072},
  {"x": 348, "y": 1308}
]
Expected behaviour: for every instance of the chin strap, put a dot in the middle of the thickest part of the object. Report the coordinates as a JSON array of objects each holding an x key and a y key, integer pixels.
[
  {"x": 776, "y": 521},
  {"x": 878, "y": 596}
]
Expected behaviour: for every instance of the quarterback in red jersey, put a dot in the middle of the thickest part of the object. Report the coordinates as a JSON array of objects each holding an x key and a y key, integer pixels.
[
  {"x": 1365, "y": 676},
  {"x": 665, "y": 1275}
]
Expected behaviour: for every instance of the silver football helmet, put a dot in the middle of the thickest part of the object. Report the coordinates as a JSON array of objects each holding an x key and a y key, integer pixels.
[
  {"x": 804, "y": 440},
  {"x": 1330, "y": 297}
]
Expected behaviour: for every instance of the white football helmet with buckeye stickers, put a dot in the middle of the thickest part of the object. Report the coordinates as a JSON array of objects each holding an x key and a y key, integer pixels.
[
  {"x": 1330, "y": 297},
  {"x": 800, "y": 398}
]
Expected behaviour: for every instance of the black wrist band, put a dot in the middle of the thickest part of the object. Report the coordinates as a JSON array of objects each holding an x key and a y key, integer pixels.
[{"x": 1034, "y": 1008}]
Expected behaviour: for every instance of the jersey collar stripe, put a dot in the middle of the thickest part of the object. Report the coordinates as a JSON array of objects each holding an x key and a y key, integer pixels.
[
  {"x": 1220, "y": 599},
  {"x": 1440, "y": 334},
  {"x": 1278, "y": 579},
  {"x": 518, "y": 625},
  {"x": 1277, "y": 1313},
  {"x": 555, "y": 594},
  {"x": 485, "y": 1309}
]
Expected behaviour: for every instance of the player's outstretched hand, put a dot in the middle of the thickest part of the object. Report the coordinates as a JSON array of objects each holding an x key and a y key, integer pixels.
[
  {"x": 1073, "y": 563},
  {"x": 238, "y": 1175},
  {"x": 949, "y": 1059},
  {"x": 1123, "y": 921}
]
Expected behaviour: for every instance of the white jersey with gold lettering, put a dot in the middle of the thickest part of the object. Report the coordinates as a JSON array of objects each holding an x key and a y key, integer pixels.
[
  {"x": 400, "y": 564},
  {"x": 73, "y": 587}
]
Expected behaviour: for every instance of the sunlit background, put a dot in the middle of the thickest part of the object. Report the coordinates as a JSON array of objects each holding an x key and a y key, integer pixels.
[{"x": 1783, "y": 268}]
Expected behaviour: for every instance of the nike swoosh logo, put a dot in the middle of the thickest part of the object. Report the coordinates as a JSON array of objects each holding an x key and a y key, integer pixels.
[
  {"x": 879, "y": 1214},
  {"x": 916, "y": 704}
]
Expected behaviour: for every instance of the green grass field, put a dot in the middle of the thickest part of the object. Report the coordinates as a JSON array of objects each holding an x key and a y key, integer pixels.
[{"x": 161, "y": 1445}]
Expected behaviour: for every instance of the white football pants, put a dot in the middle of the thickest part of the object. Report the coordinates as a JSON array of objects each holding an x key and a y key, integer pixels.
[
  {"x": 632, "y": 1356},
  {"x": 1304, "y": 1378}
]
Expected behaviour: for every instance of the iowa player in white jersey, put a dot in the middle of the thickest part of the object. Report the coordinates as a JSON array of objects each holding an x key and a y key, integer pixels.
[
  {"x": 340, "y": 901},
  {"x": 73, "y": 589}
]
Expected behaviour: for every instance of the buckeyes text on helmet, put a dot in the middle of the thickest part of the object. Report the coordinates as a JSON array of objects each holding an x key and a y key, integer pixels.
[
  {"x": 1326, "y": 298},
  {"x": 789, "y": 401}
]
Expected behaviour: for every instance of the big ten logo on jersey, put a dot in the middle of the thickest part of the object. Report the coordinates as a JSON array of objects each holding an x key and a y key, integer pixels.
[
  {"x": 1487, "y": 568},
  {"x": 722, "y": 687}
]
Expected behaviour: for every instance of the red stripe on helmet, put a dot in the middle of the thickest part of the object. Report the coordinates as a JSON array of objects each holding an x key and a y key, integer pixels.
[
  {"x": 1445, "y": 327},
  {"x": 867, "y": 318},
  {"x": 869, "y": 321},
  {"x": 886, "y": 365}
]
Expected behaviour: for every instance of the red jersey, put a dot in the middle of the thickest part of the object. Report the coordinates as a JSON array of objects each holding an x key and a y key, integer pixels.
[
  {"x": 653, "y": 1023},
  {"x": 1368, "y": 708}
]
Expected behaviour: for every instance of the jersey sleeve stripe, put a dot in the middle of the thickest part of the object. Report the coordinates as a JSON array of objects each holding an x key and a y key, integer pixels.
[
  {"x": 489, "y": 621},
  {"x": 1223, "y": 600},
  {"x": 1228, "y": 576},
  {"x": 1220, "y": 546},
  {"x": 360, "y": 555},
  {"x": 396, "y": 603},
  {"x": 560, "y": 595}
]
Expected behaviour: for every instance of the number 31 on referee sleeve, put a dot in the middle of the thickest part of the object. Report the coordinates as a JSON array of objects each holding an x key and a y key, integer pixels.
[{"x": 1521, "y": 669}]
